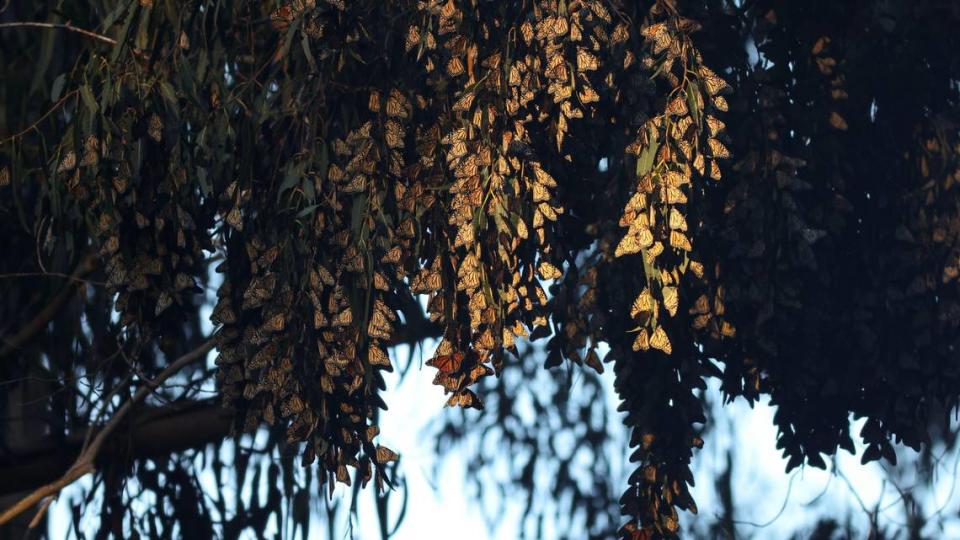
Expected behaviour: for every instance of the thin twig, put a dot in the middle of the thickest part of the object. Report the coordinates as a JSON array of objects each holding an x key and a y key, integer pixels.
[
  {"x": 32, "y": 126},
  {"x": 106, "y": 404},
  {"x": 88, "y": 455},
  {"x": 43, "y": 510},
  {"x": 64, "y": 26},
  {"x": 87, "y": 264},
  {"x": 783, "y": 507},
  {"x": 14, "y": 275},
  {"x": 953, "y": 485}
]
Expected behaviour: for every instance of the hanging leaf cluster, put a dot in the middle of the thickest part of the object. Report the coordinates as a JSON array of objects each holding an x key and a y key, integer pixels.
[{"x": 623, "y": 180}]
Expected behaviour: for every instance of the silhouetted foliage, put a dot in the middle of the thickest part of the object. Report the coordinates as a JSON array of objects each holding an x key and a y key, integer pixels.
[{"x": 762, "y": 192}]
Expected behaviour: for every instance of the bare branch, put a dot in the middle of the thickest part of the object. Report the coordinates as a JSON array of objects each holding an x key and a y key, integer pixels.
[
  {"x": 85, "y": 461},
  {"x": 56, "y": 106},
  {"x": 64, "y": 26},
  {"x": 155, "y": 431},
  {"x": 87, "y": 264},
  {"x": 15, "y": 275}
]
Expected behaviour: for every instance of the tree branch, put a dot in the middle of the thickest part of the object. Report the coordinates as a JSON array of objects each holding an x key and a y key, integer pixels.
[
  {"x": 56, "y": 106},
  {"x": 64, "y": 26},
  {"x": 35, "y": 326},
  {"x": 84, "y": 463},
  {"x": 154, "y": 432}
]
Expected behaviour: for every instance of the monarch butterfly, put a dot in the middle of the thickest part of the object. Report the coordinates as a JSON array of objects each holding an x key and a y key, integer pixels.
[
  {"x": 653, "y": 30},
  {"x": 281, "y": 18},
  {"x": 586, "y": 61},
  {"x": 718, "y": 149},
  {"x": 458, "y": 150},
  {"x": 478, "y": 301},
  {"x": 677, "y": 107},
  {"x": 700, "y": 321},
  {"x": 680, "y": 241},
  {"x": 426, "y": 281},
  {"x": 720, "y": 103},
  {"x": 385, "y": 455},
  {"x": 698, "y": 164},
  {"x": 673, "y": 195},
  {"x": 526, "y": 30},
  {"x": 727, "y": 329},
  {"x": 628, "y": 246},
  {"x": 223, "y": 312},
  {"x": 379, "y": 326},
  {"x": 711, "y": 81},
  {"x": 235, "y": 219},
  {"x": 677, "y": 221},
  {"x": 620, "y": 34},
  {"x": 392, "y": 256},
  {"x": 514, "y": 77},
  {"x": 469, "y": 279},
  {"x": 293, "y": 405},
  {"x": 659, "y": 340},
  {"x": 645, "y": 237},
  {"x": 714, "y": 170},
  {"x": 540, "y": 193},
  {"x": 838, "y": 121},
  {"x": 549, "y": 212},
  {"x": 344, "y": 318},
  {"x": 465, "y": 102},
  {"x": 643, "y": 303},
  {"x": 543, "y": 177},
  {"x": 701, "y": 306},
  {"x": 357, "y": 184},
  {"x": 394, "y": 134},
  {"x": 642, "y": 341},
  {"x": 455, "y": 67},
  {"x": 377, "y": 357},
  {"x": 465, "y": 235},
  {"x": 275, "y": 323},
  {"x": 696, "y": 268},
  {"x": 447, "y": 363},
  {"x": 448, "y": 382},
  {"x": 676, "y": 179},
  {"x": 380, "y": 282},
  {"x": 465, "y": 399},
  {"x": 479, "y": 371},
  {"x": 397, "y": 105},
  {"x": 548, "y": 271},
  {"x": 588, "y": 95},
  {"x": 469, "y": 167},
  {"x": 661, "y": 42},
  {"x": 653, "y": 251},
  {"x": 715, "y": 125},
  {"x": 485, "y": 340},
  {"x": 413, "y": 38},
  {"x": 560, "y": 26},
  {"x": 163, "y": 302},
  {"x": 670, "y": 300},
  {"x": 155, "y": 127},
  {"x": 325, "y": 276}
]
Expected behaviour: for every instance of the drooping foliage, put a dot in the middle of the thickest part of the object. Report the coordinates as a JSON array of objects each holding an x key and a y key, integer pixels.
[{"x": 532, "y": 169}]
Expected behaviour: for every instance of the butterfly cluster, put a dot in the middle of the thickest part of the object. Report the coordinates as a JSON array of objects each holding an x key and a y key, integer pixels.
[{"x": 580, "y": 172}]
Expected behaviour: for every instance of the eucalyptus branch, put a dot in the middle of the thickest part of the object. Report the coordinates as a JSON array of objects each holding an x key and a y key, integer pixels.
[
  {"x": 35, "y": 326},
  {"x": 55, "y": 108},
  {"x": 88, "y": 455},
  {"x": 65, "y": 26}
]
